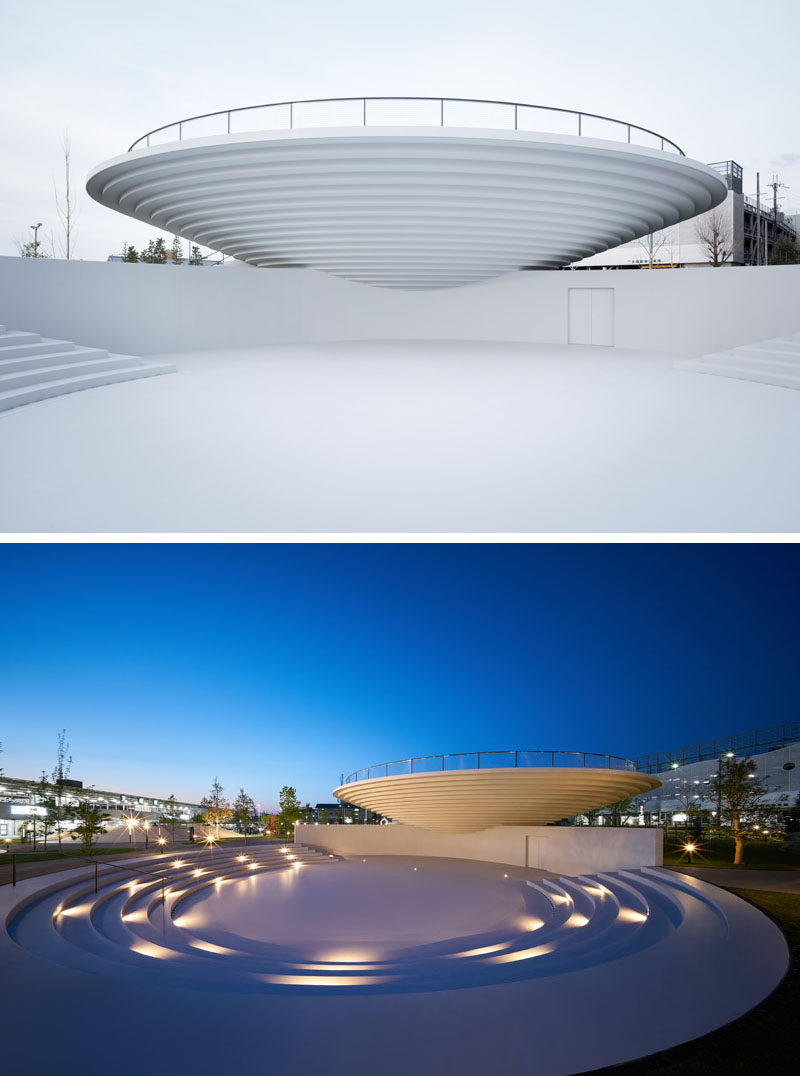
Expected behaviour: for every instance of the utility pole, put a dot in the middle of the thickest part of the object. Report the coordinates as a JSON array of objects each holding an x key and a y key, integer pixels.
[
  {"x": 758, "y": 218},
  {"x": 775, "y": 184}
]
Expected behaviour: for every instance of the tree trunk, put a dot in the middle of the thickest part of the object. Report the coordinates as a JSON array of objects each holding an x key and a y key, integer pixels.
[{"x": 738, "y": 838}]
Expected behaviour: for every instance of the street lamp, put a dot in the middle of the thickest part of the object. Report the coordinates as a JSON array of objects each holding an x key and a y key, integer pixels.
[
  {"x": 35, "y": 228},
  {"x": 162, "y": 841},
  {"x": 130, "y": 821},
  {"x": 145, "y": 827}
]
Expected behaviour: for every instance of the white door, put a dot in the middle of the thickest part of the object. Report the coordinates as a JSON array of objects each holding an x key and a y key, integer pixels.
[
  {"x": 580, "y": 316},
  {"x": 603, "y": 317},
  {"x": 591, "y": 316}
]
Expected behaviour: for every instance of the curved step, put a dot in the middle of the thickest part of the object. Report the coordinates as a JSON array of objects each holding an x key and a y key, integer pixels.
[{"x": 33, "y": 368}]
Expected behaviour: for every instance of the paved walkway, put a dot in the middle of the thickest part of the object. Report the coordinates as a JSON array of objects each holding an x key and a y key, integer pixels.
[{"x": 776, "y": 881}]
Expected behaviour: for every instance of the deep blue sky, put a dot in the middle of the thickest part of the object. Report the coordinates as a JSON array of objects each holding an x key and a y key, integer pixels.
[{"x": 274, "y": 664}]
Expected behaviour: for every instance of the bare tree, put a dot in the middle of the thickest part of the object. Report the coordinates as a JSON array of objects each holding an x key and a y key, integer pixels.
[
  {"x": 652, "y": 245},
  {"x": 65, "y": 204},
  {"x": 59, "y": 778},
  {"x": 714, "y": 235}
]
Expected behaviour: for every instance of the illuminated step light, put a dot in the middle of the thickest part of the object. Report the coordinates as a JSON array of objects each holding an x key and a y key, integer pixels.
[
  {"x": 628, "y": 915},
  {"x": 483, "y": 951},
  {"x": 158, "y": 952},
  {"x": 327, "y": 980},
  {"x": 520, "y": 954}
]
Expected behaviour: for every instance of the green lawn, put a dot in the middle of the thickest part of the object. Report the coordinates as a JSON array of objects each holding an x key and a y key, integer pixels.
[
  {"x": 718, "y": 852},
  {"x": 42, "y": 856},
  {"x": 763, "y": 1040}
]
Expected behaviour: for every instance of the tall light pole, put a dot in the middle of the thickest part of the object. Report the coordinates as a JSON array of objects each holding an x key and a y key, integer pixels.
[{"x": 36, "y": 228}]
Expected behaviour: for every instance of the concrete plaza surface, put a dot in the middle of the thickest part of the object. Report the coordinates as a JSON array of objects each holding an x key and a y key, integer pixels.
[{"x": 407, "y": 436}]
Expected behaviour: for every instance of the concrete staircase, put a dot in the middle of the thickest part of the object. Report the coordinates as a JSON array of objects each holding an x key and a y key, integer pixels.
[
  {"x": 145, "y": 910},
  {"x": 770, "y": 362},
  {"x": 33, "y": 367}
]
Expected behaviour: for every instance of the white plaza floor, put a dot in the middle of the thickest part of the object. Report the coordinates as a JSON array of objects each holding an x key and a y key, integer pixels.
[
  {"x": 407, "y": 437},
  {"x": 331, "y": 967}
]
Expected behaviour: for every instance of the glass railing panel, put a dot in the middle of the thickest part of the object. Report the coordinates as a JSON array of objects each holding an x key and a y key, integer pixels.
[
  {"x": 548, "y": 121},
  {"x": 403, "y": 113},
  {"x": 206, "y": 126},
  {"x": 394, "y": 769},
  {"x": 534, "y": 758},
  {"x": 612, "y": 130},
  {"x": 743, "y": 742},
  {"x": 329, "y": 113},
  {"x": 461, "y": 762},
  {"x": 568, "y": 758},
  {"x": 263, "y": 118},
  {"x": 426, "y": 764},
  {"x": 649, "y": 141},
  {"x": 597, "y": 762},
  {"x": 768, "y": 737},
  {"x": 478, "y": 114},
  {"x": 169, "y": 134},
  {"x": 492, "y": 760}
]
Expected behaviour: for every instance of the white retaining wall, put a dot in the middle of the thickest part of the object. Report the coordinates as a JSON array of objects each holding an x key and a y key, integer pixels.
[
  {"x": 147, "y": 309},
  {"x": 562, "y": 849}
]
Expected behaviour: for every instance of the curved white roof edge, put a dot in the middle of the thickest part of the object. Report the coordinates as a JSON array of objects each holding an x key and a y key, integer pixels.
[{"x": 408, "y": 207}]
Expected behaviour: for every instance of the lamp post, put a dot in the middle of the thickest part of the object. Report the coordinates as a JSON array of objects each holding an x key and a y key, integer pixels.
[
  {"x": 35, "y": 228},
  {"x": 162, "y": 841},
  {"x": 145, "y": 827}
]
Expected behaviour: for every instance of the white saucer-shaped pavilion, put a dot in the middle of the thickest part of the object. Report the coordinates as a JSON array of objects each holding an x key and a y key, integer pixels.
[
  {"x": 469, "y": 800},
  {"x": 407, "y": 206}
]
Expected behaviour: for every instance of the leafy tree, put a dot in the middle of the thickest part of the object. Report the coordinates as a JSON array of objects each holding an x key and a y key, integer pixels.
[
  {"x": 129, "y": 253},
  {"x": 243, "y": 810},
  {"x": 170, "y": 817},
  {"x": 740, "y": 798},
  {"x": 290, "y": 811},
  {"x": 216, "y": 808},
  {"x": 155, "y": 253},
  {"x": 622, "y": 809},
  {"x": 90, "y": 819},
  {"x": 177, "y": 251},
  {"x": 31, "y": 250},
  {"x": 195, "y": 258},
  {"x": 269, "y": 823},
  {"x": 323, "y": 817},
  {"x": 785, "y": 252},
  {"x": 59, "y": 776}
]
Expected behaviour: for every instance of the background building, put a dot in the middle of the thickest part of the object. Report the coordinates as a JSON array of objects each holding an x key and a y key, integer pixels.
[
  {"x": 19, "y": 803},
  {"x": 738, "y": 224}
]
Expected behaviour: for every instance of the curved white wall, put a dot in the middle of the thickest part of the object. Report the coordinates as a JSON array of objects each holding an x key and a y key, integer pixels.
[
  {"x": 563, "y": 849},
  {"x": 147, "y": 309}
]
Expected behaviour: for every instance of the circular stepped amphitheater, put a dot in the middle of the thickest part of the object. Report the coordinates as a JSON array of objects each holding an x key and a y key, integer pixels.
[
  {"x": 565, "y": 925},
  {"x": 294, "y": 933}
]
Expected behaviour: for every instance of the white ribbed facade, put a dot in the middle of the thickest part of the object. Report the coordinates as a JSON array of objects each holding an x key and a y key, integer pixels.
[
  {"x": 465, "y": 801},
  {"x": 411, "y": 207}
]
